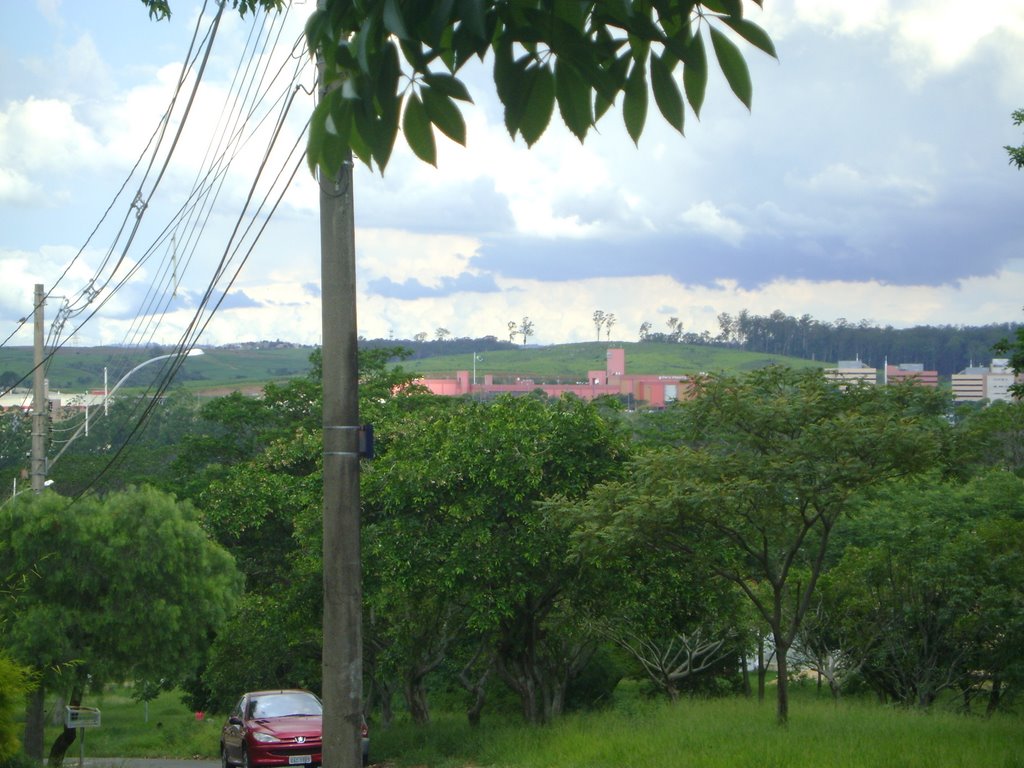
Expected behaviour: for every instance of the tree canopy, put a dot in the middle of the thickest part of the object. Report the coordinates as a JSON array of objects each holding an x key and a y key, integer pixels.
[
  {"x": 1017, "y": 153},
  {"x": 389, "y": 64},
  {"x": 756, "y": 475},
  {"x": 129, "y": 587}
]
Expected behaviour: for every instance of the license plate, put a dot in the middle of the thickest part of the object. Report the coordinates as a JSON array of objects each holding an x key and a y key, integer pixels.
[{"x": 300, "y": 759}]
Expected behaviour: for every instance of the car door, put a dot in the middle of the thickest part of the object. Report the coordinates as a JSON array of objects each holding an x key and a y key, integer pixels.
[{"x": 233, "y": 734}]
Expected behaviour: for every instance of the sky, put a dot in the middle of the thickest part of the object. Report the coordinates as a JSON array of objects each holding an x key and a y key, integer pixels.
[{"x": 868, "y": 182}]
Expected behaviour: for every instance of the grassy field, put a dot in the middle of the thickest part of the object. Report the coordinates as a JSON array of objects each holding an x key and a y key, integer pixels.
[
  {"x": 570, "y": 362},
  {"x": 220, "y": 370},
  {"x": 719, "y": 733},
  {"x": 76, "y": 369}
]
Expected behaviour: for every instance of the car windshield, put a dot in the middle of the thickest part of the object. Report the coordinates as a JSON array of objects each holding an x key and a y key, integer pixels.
[{"x": 285, "y": 704}]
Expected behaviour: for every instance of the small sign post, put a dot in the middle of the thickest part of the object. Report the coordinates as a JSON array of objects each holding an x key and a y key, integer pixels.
[{"x": 81, "y": 718}]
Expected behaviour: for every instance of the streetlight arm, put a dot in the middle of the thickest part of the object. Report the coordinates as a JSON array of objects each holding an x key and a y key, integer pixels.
[{"x": 195, "y": 351}]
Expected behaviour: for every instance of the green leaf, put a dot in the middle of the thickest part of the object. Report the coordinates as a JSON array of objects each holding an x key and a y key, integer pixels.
[
  {"x": 666, "y": 92},
  {"x": 539, "y": 104},
  {"x": 387, "y": 80},
  {"x": 505, "y": 74},
  {"x": 361, "y": 147},
  {"x": 634, "y": 102},
  {"x": 573, "y": 95},
  {"x": 733, "y": 66},
  {"x": 317, "y": 135},
  {"x": 730, "y": 7},
  {"x": 443, "y": 113},
  {"x": 393, "y": 20},
  {"x": 695, "y": 74},
  {"x": 472, "y": 14},
  {"x": 419, "y": 134},
  {"x": 617, "y": 74},
  {"x": 385, "y": 133},
  {"x": 448, "y": 84},
  {"x": 364, "y": 42},
  {"x": 753, "y": 34},
  {"x": 336, "y": 150},
  {"x": 438, "y": 23}
]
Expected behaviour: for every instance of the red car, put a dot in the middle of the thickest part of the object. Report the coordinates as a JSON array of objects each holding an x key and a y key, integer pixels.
[{"x": 267, "y": 729}]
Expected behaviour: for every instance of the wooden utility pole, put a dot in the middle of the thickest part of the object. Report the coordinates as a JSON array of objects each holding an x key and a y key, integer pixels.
[{"x": 342, "y": 644}]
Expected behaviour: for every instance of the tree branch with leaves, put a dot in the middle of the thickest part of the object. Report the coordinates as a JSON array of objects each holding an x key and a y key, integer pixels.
[{"x": 391, "y": 65}]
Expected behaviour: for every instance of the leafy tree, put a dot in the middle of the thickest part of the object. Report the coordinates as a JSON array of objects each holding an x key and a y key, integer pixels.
[
  {"x": 263, "y": 505},
  {"x": 645, "y": 330},
  {"x": 598, "y": 318},
  {"x": 679, "y": 625},
  {"x": 762, "y": 470},
  {"x": 1015, "y": 348},
  {"x": 989, "y": 437},
  {"x": 1017, "y": 153},
  {"x": 15, "y": 445},
  {"x": 609, "y": 321},
  {"x": 928, "y": 590},
  {"x": 135, "y": 442},
  {"x": 458, "y": 485},
  {"x": 91, "y": 571},
  {"x": 526, "y": 329}
]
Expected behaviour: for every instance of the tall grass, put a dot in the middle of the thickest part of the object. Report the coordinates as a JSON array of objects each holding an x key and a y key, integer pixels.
[
  {"x": 721, "y": 733},
  {"x": 163, "y": 728},
  {"x": 715, "y": 733}
]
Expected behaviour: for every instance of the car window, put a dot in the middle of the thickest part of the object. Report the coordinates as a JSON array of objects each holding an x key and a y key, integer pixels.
[{"x": 284, "y": 704}]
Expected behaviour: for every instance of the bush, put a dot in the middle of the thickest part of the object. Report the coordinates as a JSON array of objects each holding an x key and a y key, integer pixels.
[{"x": 15, "y": 682}]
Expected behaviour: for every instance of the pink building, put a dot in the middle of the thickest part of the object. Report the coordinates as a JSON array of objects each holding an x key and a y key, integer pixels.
[
  {"x": 651, "y": 391},
  {"x": 913, "y": 371}
]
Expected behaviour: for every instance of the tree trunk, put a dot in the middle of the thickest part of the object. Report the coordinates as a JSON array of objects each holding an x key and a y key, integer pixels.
[
  {"x": 65, "y": 738},
  {"x": 416, "y": 701},
  {"x": 782, "y": 682},
  {"x": 746, "y": 675},
  {"x": 994, "y": 696},
  {"x": 476, "y": 706},
  {"x": 34, "y": 717},
  {"x": 762, "y": 671}
]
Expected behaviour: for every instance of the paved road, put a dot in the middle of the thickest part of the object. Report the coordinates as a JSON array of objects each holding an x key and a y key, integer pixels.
[{"x": 71, "y": 761}]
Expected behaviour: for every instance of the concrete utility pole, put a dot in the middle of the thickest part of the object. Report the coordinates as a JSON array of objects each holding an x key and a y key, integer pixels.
[
  {"x": 342, "y": 650},
  {"x": 33, "y": 741},
  {"x": 39, "y": 410}
]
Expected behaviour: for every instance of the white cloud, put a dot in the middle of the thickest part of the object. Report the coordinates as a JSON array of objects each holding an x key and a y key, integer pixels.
[
  {"x": 400, "y": 256},
  {"x": 705, "y": 217},
  {"x": 843, "y": 181},
  {"x": 44, "y": 135},
  {"x": 16, "y": 189}
]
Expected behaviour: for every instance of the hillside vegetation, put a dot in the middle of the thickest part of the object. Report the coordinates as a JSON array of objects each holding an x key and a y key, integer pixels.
[
  {"x": 221, "y": 369},
  {"x": 570, "y": 362}
]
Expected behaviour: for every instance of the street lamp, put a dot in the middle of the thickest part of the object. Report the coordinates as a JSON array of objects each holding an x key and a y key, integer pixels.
[{"x": 194, "y": 352}]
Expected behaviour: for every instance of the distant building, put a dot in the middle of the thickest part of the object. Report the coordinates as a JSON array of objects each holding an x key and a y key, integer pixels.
[
  {"x": 979, "y": 383},
  {"x": 911, "y": 371},
  {"x": 652, "y": 391},
  {"x": 851, "y": 372}
]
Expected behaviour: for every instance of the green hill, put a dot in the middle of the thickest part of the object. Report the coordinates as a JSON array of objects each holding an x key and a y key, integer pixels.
[
  {"x": 570, "y": 362},
  {"x": 248, "y": 367}
]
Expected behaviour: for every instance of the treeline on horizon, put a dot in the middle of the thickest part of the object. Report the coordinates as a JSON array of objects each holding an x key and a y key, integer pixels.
[{"x": 947, "y": 349}]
